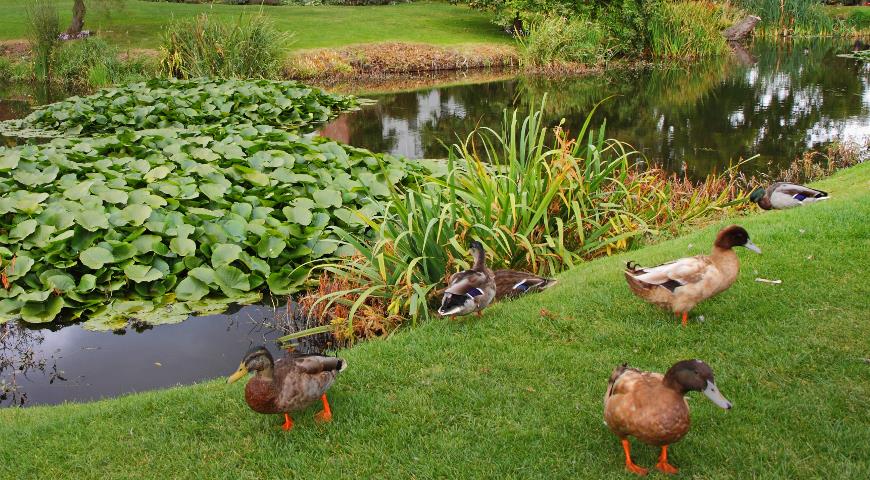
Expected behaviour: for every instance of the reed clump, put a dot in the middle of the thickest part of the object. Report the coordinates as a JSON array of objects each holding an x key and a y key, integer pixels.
[
  {"x": 539, "y": 199},
  {"x": 250, "y": 47}
]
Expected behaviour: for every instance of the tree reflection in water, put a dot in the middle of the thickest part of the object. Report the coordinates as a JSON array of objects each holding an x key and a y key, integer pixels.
[{"x": 20, "y": 355}]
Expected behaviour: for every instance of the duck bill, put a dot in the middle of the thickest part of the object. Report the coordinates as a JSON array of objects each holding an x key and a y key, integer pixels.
[
  {"x": 713, "y": 394},
  {"x": 241, "y": 372},
  {"x": 752, "y": 247}
]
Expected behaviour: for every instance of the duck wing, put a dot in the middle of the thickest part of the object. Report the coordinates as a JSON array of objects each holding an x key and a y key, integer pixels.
[
  {"x": 314, "y": 364},
  {"x": 468, "y": 282},
  {"x": 798, "y": 192},
  {"x": 671, "y": 275}
]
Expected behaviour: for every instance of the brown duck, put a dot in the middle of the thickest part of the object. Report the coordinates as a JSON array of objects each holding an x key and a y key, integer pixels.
[
  {"x": 290, "y": 385},
  {"x": 680, "y": 285},
  {"x": 513, "y": 283},
  {"x": 650, "y": 406}
]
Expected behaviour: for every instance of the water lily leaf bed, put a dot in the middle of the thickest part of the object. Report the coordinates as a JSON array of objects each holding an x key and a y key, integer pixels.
[
  {"x": 165, "y": 103},
  {"x": 158, "y": 216}
]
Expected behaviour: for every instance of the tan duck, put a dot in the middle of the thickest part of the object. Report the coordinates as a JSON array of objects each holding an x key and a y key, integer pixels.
[
  {"x": 680, "y": 285},
  {"x": 513, "y": 283},
  {"x": 469, "y": 291},
  {"x": 782, "y": 195},
  {"x": 290, "y": 385},
  {"x": 650, "y": 406}
]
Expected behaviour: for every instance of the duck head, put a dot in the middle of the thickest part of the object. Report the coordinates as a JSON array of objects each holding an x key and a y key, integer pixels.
[
  {"x": 757, "y": 195},
  {"x": 258, "y": 359},
  {"x": 478, "y": 253},
  {"x": 735, "y": 236},
  {"x": 696, "y": 375}
]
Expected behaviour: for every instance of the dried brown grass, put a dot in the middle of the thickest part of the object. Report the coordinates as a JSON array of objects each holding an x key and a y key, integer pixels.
[{"x": 389, "y": 58}]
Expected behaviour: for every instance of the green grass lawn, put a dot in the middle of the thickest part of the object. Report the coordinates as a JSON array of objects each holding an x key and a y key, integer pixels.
[
  {"x": 519, "y": 395},
  {"x": 139, "y": 23}
]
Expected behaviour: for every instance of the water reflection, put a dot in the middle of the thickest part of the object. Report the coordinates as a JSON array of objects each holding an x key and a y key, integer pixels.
[
  {"x": 776, "y": 100},
  {"x": 74, "y": 364}
]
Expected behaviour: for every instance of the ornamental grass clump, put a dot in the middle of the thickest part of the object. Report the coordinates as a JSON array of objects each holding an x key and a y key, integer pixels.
[{"x": 538, "y": 205}]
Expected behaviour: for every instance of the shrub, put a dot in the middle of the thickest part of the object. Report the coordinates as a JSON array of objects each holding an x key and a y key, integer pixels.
[
  {"x": 44, "y": 30},
  {"x": 91, "y": 62},
  {"x": 249, "y": 48},
  {"x": 859, "y": 19},
  {"x": 554, "y": 40}
]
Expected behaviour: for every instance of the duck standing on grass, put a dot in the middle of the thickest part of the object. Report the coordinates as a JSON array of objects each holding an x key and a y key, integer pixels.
[
  {"x": 513, "y": 283},
  {"x": 290, "y": 385},
  {"x": 469, "y": 291},
  {"x": 680, "y": 285},
  {"x": 650, "y": 406},
  {"x": 782, "y": 195}
]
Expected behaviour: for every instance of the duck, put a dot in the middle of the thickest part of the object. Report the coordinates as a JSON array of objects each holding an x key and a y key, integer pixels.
[
  {"x": 469, "y": 291},
  {"x": 289, "y": 385},
  {"x": 513, "y": 283},
  {"x": 680, "y": 285},
  {"x": 782, "y": 195},
  {"x": 651, "y": 407}
]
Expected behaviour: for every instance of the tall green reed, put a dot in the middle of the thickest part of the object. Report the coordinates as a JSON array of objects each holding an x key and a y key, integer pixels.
[
  {"x": 44, "y": 28},
  {"x": 250, "y": 47}
]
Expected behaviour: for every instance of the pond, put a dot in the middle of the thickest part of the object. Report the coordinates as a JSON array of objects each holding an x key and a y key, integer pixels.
[{"x": 777, "y": 101}]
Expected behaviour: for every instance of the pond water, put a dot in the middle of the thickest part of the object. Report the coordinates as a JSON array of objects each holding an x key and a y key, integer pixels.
[
  {"x": 72, "y": 364},
  {"x": 774, "y": 100}
]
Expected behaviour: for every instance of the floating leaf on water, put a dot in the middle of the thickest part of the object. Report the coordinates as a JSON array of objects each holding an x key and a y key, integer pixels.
[
  {"x": 41, "y": 311},
  {"x": 191, "y": 289},
  {"x": 224, "y": 254}
]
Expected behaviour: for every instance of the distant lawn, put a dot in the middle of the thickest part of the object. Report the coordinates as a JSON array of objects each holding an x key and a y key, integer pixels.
[
  {"x": 516, "y": 394},
  {"x": 140, "y": 23}
]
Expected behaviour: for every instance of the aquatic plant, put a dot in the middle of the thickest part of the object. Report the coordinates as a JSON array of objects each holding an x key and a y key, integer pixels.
[
  {"x": 125, "y": 224},
  {"x": 44, "y": 27},
  {"x": 164, "y": 103},
  {"x": 789, "y": 17},
  {"x": 537, "y": 206},
  {"x": 204, "y": 46},
  {"x": 688, "y": 29}
]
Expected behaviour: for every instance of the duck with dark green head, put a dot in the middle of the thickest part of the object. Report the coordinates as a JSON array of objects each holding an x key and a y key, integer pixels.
[
  {"x": 289, "y": 385},
  {"x": 782, "y": 195}
]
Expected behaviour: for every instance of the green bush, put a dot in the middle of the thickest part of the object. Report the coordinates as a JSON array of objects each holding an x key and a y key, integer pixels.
[
  {"x": 91, "y": 62},
  {"x": 554, "y": 40},
  {"x": 14, "y": 71},
  {"x": 202, "y": 47},
  {"x": 626, "y": 23},
  {"x": 859, "y": 19}
]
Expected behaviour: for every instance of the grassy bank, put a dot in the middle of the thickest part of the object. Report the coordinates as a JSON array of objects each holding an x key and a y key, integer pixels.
[
  {"x": 139, "y": 24},
  {"x": 517, "y": 394}
]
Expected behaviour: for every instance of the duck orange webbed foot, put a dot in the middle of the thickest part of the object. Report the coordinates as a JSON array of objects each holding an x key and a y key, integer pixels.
[
  {"x": 288, "y": 423},
  {"x": 629, "y": 465},
  {"x": 324, "y": 415},
  {"x": 663, "y": 464}
]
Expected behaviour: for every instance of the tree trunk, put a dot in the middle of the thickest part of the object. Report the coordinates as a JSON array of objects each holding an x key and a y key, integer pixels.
[
  {"x": 78, "y": 20},
  {"x": 741, "y": 29}
]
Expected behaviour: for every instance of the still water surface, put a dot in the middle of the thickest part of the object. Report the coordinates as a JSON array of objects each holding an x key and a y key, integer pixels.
[{"x": 777, "y": 101}]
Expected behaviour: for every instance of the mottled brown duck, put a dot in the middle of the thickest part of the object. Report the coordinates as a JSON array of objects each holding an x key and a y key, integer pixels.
[{"x": 469, "y": 291}]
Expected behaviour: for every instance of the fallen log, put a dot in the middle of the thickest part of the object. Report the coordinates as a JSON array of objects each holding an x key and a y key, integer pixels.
[{"x": 741, "y": 29}]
